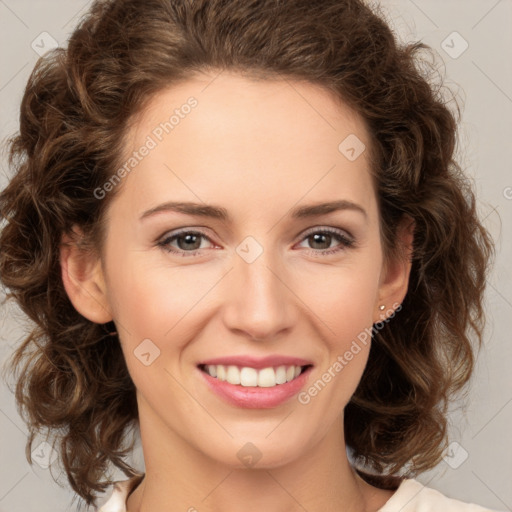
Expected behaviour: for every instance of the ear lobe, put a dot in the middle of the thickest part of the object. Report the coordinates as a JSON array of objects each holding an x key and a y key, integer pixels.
[
  {"x": 395, "y": 274},
  {"x": 83, "y": 280}
]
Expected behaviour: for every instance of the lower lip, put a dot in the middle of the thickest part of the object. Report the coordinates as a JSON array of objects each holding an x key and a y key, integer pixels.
[{"x": 253, "y": 397}]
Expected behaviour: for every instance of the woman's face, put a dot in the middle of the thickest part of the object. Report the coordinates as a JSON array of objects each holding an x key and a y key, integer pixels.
[{"x": 256, "y": 272}]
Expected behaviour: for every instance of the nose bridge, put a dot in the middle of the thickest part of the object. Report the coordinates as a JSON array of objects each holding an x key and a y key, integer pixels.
[{"x": 259, "y": 301}]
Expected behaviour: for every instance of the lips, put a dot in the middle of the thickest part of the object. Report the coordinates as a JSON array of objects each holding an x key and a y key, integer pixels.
[{"x": 255, "y": 383}]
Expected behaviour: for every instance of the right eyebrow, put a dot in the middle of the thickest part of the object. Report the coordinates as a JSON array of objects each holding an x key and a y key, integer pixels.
[{"x": 198, "y": 209}]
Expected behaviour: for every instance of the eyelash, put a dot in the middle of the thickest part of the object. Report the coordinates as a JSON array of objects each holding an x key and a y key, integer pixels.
[{"x": 345, "y": 242}]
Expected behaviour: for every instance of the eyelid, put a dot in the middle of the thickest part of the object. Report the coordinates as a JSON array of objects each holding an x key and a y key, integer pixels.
[
  {"x": 328, "y": 229},
  {"x": 173, "y": 234}
]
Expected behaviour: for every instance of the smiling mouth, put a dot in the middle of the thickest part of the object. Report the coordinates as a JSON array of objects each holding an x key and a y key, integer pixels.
[{"x": 251, "y": 377}]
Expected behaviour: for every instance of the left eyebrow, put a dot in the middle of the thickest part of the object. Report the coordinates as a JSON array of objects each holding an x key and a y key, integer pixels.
[
  {"x": 325, "y": 208},
  {"x": 220, "y": 213}
]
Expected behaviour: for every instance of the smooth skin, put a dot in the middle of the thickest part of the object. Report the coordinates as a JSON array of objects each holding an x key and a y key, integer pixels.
[{"x": 259, "y": 149}]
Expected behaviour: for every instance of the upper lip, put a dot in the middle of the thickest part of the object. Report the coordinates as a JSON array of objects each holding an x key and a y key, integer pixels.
[{"x": 257, "y": 362}]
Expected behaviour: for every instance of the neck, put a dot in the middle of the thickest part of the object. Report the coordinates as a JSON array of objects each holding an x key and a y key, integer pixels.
[{"x": 181, "y": 478}]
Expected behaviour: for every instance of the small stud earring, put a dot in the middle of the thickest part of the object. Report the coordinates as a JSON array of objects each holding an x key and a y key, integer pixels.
[
  {"x": 110, "y": 328},
  {"x": 382, "y": 306}
]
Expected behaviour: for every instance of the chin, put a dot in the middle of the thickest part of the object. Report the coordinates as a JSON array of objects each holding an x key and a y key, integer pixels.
[{"x": 257, "y": 452}]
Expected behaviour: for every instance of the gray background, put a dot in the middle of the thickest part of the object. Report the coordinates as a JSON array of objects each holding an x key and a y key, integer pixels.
[{"x": 479, "y": 467}]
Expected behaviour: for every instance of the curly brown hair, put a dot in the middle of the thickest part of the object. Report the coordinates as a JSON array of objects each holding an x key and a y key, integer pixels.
[{"x": 71, "y": 377}]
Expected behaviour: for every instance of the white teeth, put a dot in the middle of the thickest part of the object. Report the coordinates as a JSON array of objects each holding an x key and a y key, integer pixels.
[
  {"x": 246, "y": 376},
  {"x": 281, "y": 374},
  {"x": 233, "y": 375},
  {"x": 266, "y": 378}
]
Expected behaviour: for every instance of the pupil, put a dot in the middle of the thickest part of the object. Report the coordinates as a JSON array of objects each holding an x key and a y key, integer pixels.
[
  {"x": 188, "y": 238},
  {"x": 316, "y": 238}
]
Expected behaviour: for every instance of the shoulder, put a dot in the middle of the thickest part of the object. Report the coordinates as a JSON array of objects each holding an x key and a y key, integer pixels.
[
  {"x": 413, "y": 496},
  {"x": 120, "y": 491}
]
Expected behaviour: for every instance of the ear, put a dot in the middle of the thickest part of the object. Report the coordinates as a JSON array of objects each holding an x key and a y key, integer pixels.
[
  {"x": 83, "y": 279},
  {"x": 395, "y": 273}
]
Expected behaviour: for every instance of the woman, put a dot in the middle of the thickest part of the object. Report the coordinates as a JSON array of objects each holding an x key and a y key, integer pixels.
[{"x": 240, "y": 230}]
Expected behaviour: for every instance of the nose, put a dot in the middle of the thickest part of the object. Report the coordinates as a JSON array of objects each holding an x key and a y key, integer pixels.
[{"x": 259, "y": 304}]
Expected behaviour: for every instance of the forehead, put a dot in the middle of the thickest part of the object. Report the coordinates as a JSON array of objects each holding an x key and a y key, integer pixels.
[{"x": 226, "y": 137}]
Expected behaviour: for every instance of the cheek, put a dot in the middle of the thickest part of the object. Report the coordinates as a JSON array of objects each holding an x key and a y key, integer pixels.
[
  {"x": 148, "y": 298},
  {"x": 159, "y": 303},
  {"x": 343, "y": 302},
  {"x": 343, "y": 298},
  {"x": 154, "y": 309}
]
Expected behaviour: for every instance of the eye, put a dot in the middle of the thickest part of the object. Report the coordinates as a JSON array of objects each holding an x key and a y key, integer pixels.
[
  {"x": 189, "y": 242},
  {"x": 324, "y": 237}
]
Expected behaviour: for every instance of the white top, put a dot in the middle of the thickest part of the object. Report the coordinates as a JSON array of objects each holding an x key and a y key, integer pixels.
[{"x": 411, "y": 496}]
